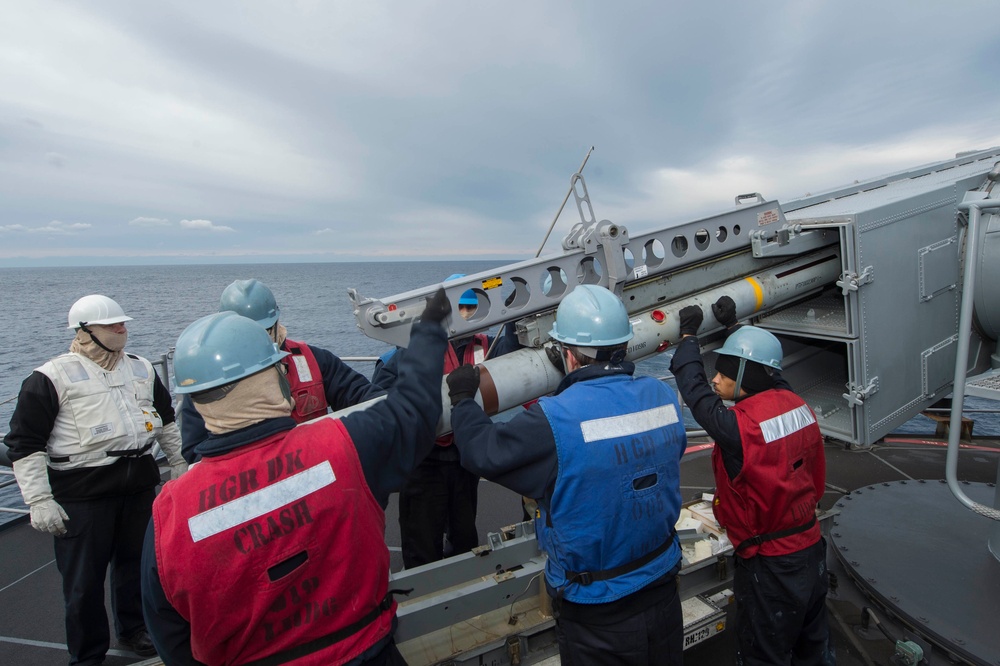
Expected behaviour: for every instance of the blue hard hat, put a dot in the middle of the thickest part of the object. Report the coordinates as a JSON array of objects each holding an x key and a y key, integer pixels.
[
  {"x": 219, "y": 349},
  {"x": 754, "y": 344},
  {"x": 251, "y": 299},
  {"x": 468, "y": 298},
  {"x": 591, "y": 316},
  {"x": 750, "y": 343}
]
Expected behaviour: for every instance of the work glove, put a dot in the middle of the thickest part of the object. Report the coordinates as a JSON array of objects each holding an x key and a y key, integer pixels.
[
  {"x": 32, "y": 476},
  {"x": 438, "y": 307},
  {"x": 724, "y": 310},
  {"x": 555, "y": 356},
  {"x": 170, "y": 442},
  {"x": 463, "y": 382},
  {"x": 691, "y": 317}
]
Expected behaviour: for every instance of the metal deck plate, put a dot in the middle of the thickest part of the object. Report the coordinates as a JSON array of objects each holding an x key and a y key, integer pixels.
[
  {"x": 924, "y": 558},
  {"x": 986, "y": 385}
]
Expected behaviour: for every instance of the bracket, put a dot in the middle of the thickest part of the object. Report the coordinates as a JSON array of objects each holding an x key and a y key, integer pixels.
[
  {"x": 856, "y": 395},
  {"x": 788, "y": 240},
  {"x": 853, "y": 281}
]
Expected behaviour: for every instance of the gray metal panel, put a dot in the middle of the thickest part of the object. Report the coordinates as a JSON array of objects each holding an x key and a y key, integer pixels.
[{"x": 898, "y": 324}]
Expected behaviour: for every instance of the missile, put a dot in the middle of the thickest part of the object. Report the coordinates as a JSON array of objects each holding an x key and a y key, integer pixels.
[{"x": 526, "y": 374}]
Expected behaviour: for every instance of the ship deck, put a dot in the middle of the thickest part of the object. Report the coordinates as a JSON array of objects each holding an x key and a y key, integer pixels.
[{"x": 33, "y": 634}]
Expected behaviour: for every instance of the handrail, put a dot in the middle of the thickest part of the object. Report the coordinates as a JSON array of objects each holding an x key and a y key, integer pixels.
[{"x": 974, "y": 202}]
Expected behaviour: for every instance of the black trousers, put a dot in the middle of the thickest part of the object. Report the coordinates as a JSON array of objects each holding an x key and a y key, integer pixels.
[
  {"x": 781, "y": 609},
  {"x": 439, "y": 498},
  {"x": 100, "y": 533},
  {"x": 651, "y": 637}
]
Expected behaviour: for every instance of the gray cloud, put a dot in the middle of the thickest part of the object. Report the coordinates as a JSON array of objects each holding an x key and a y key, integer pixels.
[
  {"x": 452, "y": 128},
  {"x": 149, "y": 222}
]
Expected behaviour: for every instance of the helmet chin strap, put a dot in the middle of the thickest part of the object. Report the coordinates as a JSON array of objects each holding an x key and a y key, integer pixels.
[
  {"x": 94, "y": 338},
  {"x": 739, "y": 379}
]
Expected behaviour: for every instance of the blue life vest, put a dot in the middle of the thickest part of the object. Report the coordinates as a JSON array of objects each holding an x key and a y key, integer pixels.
[{"x": 617, "y": 494}]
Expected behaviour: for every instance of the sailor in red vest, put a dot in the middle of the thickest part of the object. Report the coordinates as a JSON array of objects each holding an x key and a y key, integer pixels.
[
  {"x": 440, "y": 498},
  {"x": 770, "y": 473},
  {"x": 270, "y": 550},
  {"x": 317, "y": 379}
]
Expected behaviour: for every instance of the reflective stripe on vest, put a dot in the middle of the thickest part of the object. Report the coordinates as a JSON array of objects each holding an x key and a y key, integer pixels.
[
  {"x": 103, "y": 414},
  {"x": 305, "y": 381},
  {"x": 619, "y": 442},
  {"x": 782, "y": 478},
  {"x": 275, "y": 549}
]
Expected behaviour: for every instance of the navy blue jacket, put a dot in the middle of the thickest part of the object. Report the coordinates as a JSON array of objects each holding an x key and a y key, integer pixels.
[
  {"x": 391, "y": 436},
  {"x": 343, "y": 387},
  {"x": 706, "y": 406}
]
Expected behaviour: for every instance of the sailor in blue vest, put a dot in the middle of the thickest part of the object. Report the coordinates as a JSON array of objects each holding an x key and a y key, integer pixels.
[{"x": 602, "y": 458}]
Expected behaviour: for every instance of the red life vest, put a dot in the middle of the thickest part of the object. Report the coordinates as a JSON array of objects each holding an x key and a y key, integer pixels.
[
  {"x": 275, "y": 546},
  {"x": 783, "y": 474},
  {"x": 475, "y": 353},
  {"x": 305, "y": 379}
]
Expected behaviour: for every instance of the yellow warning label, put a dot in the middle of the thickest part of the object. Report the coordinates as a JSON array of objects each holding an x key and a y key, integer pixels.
[{"x": 492, "y": 283}]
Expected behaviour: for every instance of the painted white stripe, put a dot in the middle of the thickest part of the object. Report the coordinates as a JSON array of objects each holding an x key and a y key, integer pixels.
[
  {"x": 58, "y": 646},
  {"x": 628, "y": 424},
  {"x": 787, "y": 423},
  {"x": 32, "y": 573},
  {"x": 260, "y": 502}
]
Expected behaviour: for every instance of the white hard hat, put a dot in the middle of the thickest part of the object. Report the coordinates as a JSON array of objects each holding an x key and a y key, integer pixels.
[{"x": 96, "y": 309}]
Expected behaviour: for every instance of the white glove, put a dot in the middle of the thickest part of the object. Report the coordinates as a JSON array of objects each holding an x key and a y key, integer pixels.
[
  {"x": 48, "y": 516},
  {"x": 32, "y": 476},
  {"x": 170, "y": 442}
]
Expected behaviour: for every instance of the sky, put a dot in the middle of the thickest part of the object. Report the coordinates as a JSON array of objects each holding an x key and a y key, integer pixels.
[{"x": 261, "y": 131}]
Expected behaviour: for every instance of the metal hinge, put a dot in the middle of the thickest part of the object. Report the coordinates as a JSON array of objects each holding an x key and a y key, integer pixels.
[
  {"x": 514, "y": 650},
  {"x": 851, "y": 281},
  {"x": 857, "y": 395}
]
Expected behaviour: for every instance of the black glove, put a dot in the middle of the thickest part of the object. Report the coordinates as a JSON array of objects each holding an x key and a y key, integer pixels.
[
  {"x": 691, "y": 317},
  {"x": 438, "y": 307},
  {"x": 463, "y": 382},
  {"x": 724, "y": 310},
  {"x": 555, "y": 356}
]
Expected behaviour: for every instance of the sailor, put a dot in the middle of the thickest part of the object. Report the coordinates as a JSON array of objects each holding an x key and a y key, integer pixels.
[
  {"x": 602, "y": 458},
  {"x": 770, "y": 473},
  {"x": 317, "y": 379},
  {"x": 80, "y": 440},
  {"x": 440, "y": 499},
  {"x": 271, "y": 549}
]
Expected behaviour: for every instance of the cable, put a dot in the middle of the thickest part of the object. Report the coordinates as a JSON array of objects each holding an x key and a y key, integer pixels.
[{"x": 511, "y": 619}]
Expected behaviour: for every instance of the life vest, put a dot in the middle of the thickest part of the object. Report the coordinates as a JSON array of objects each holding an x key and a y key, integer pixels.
[
  {"x": 474, "y": 354},
  {"x": 616, "y": 499},
  {"x": 103, "y": 414},
  {"x": 305, "y": 380},
  {"x": 782, "y": 479},
  {"x": 277, "y": 548}
]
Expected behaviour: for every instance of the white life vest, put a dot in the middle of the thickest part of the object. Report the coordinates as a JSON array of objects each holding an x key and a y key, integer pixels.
[{"x": 102, "y": 414}]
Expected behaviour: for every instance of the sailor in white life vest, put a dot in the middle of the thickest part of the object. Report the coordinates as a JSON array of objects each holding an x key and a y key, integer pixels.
[
  {"x": 80, "y": 439},
  {"x": 271, "y": 549}
]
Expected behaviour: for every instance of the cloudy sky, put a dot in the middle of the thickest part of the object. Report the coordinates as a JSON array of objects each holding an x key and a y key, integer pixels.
[{"x": 184, "y": 131}]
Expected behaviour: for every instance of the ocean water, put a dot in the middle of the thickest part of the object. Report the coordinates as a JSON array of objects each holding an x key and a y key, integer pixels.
[{"x": 163, "y": 300}]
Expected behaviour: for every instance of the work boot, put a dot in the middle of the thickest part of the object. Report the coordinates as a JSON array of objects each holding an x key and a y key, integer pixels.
[{"x": 139, "y": 642}]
